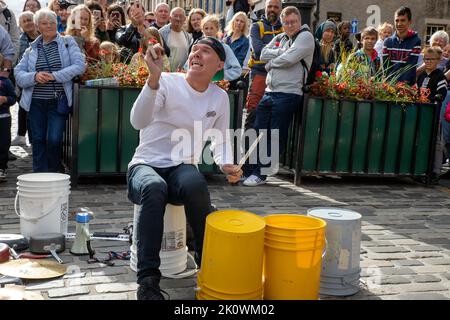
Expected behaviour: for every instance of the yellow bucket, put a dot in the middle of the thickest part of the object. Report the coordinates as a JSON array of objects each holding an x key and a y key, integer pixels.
[
  {"x": 205, "y": 293},
  {"x": 204, "y": 296},
  {"x": 292, "y": 268},
  {"x": 233, "y": 250},
  {"x": 318, "y": 237}
]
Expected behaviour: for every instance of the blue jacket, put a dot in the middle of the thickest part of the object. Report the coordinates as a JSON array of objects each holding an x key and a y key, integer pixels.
[
  {"x": 7, "y": 48},
  {"x": 232, "y": 69},
  {"x": 400, "y": 54},
  {"x": 257, "y": 43},
  {"x": 7, "y": 90},
  {"x": 61, "y": 27},
  {"x": 73, "y": 64},
  {"x": 23, "y": 45},
  {"x": 240, "y": 48}
]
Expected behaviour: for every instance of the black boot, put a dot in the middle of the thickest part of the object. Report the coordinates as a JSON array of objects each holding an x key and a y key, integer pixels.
[{"x": 149, "y": 289}]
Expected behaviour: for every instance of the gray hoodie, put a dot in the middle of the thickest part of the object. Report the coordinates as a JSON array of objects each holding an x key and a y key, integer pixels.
[
  {"x": 12, "y": 28},
  {"x": 285, "y": 71}
]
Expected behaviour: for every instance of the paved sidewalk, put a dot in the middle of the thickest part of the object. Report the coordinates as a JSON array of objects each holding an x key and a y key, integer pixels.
[{"x": 405, "y": 247}]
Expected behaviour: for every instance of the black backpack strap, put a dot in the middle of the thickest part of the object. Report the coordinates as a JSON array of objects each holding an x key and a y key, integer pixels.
[
  {"x": 8, "y": 18},
  {"x": 303, "y": 62}
]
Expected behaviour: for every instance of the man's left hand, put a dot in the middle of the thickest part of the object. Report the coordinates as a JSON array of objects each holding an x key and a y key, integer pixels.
[{"x": 233, "y": 172}]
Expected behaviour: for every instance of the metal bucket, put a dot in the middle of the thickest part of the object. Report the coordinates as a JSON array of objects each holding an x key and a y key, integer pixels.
[{"x": 341, "y": 266}]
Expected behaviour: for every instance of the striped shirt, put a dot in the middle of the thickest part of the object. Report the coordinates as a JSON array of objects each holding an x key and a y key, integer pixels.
[
  {"x": 400, "y": 56},
  {"x": 435, "y": 81},
  {"x": 47, "y": 90}
]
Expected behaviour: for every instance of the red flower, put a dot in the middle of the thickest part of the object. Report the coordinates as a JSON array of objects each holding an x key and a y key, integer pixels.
[
  {"x": 152, "y": 41},
  {"x": 277, "y": 44},
  {"x": 319, "y": 74}
]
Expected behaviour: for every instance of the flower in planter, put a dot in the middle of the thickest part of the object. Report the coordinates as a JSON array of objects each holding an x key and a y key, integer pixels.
[{"x": 351, "y": 81}]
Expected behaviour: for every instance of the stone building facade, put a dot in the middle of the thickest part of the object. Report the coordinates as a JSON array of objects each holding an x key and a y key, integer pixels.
[{"x": 428, "y": 15}]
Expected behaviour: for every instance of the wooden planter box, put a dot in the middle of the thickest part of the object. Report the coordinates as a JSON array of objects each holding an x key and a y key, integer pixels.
[
  {"x": 99, "y": 141},
  {"x": 363, "y": 138}
]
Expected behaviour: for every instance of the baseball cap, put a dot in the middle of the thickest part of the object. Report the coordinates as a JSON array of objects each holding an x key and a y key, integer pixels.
[{"x": 215, "y": 44}]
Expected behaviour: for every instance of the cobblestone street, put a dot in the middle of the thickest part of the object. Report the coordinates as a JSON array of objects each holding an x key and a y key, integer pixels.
[{"x": 405, "y": 245}]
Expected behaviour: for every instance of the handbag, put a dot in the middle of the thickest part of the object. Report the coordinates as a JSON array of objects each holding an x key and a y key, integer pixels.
[{"x": 62, "y": 104}]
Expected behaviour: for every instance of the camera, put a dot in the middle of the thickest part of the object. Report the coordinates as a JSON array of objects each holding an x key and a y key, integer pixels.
[{"x": 64, "y": 4}]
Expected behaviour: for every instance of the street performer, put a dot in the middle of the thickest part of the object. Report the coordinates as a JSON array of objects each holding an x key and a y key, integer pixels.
[{"x": 169, "y": 104}]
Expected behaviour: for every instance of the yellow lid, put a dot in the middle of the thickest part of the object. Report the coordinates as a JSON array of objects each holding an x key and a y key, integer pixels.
[{"x": 235, "y": 221}]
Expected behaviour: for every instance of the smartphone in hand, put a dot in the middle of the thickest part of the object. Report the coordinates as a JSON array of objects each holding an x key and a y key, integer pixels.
[
  {"x": 76, "y": 19},
  {"x": 97, "y": 14}
]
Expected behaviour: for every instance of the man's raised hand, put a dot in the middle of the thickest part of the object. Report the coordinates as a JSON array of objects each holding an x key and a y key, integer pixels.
[{"x": 155, "y": 65}]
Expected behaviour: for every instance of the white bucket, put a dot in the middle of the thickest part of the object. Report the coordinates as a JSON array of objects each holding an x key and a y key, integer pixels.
[
  {"x": 40, "y": 190},
  {"x": 42, "y": 203},
  {"x": 340, "y": 273},
  {"x": 173, "y": 252}
]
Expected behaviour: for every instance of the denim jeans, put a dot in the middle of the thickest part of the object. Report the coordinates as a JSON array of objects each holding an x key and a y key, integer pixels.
[
  {"x": 274, "y": 111},
  {"x": 47, "y": 129},
  {"x": 153, "y": 188},
  {"x": 5, "y": 141}
]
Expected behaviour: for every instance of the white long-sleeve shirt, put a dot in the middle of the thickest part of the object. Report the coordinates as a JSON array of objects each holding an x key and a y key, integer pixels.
[{"x": 173, "y": 123}]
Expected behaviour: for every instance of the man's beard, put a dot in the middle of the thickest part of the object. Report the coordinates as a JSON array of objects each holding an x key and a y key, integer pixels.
[{"x": 272, "y": 17}]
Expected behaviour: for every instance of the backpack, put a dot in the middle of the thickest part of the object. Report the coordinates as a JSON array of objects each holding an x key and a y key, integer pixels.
[
  {"x": 7, "y": 15},
  {"x": 262, "y": 33},
  {"x": 311, "y": 72}
]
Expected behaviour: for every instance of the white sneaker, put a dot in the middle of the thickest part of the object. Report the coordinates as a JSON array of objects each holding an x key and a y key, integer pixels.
[
  {"x": 19, "y": 141},
  {"x": 253, "y": 181},
  {"x": 3, "y": 175}
]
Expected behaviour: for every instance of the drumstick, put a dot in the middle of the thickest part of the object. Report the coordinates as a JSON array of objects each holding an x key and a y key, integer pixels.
[{"x": 250, "y": 150}]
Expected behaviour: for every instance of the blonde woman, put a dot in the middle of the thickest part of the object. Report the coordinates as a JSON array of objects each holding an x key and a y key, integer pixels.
[
  {"x": 211, "y": 28},
  {"x": 138, "y": 58},
  {"x": 236, "y": 36},
  {"x": 194, "y": 23},
  {"x": 385, "y": 30},
  {"x": 81, "y": 26}
]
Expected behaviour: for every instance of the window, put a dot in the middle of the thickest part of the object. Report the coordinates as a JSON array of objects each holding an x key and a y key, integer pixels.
[
  {"x": 432, "y": 28},
  {"x": 336, "y": 16}
]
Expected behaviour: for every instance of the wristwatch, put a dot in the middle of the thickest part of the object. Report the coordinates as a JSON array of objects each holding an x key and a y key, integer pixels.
[{"x": 6, "y": 69}]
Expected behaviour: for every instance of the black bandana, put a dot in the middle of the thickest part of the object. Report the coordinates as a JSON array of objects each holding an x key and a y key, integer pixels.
[{"x": 214, "y": 44}]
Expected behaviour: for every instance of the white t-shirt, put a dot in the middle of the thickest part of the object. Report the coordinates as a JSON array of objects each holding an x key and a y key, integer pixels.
[
  {"x": 176, "y": 105},
  {"x": 179, "y": 50}
]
